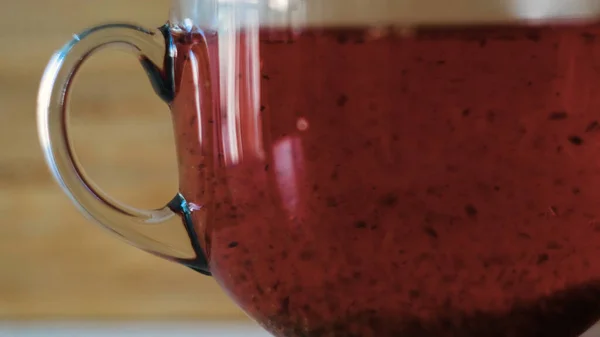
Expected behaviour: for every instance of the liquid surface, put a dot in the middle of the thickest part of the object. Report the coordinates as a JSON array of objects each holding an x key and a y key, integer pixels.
[{"x": 360, "y": 182}]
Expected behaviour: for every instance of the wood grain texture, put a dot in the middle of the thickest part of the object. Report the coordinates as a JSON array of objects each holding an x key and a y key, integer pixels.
[{"x": 53, "y": 262}]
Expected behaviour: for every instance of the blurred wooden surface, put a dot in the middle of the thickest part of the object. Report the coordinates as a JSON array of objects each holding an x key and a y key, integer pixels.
[{"x": 54, "y": 264}]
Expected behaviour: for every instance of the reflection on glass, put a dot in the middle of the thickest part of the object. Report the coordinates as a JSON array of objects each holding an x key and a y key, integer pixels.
[
  {"x": 288, "y": 161},
  {"x": 239, "y": 60}
]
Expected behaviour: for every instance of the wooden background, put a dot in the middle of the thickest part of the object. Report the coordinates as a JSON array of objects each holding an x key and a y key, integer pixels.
[{"x": 54, "y": 264}]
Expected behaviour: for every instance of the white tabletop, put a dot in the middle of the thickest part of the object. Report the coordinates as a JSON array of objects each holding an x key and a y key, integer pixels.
[
  {"x": 143, "y": 329},
  {"x": 147, "y": 329}
]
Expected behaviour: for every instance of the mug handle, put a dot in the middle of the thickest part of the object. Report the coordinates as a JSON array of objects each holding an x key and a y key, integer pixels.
[{"x": 141, "y": 228}]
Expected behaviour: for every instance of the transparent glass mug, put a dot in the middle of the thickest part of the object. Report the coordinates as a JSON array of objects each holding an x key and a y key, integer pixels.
[{"x": 370, "y": 168}]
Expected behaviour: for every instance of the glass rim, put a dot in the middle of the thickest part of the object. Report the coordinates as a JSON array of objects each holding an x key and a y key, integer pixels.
[{"x": 211, "y": 13}]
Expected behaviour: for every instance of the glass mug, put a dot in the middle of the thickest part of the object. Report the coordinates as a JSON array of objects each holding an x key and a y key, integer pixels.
[{"x": 370, "y": 167}]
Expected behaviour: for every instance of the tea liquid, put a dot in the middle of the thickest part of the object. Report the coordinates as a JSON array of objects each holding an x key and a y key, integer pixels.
[{"x": 393, "y": 182}]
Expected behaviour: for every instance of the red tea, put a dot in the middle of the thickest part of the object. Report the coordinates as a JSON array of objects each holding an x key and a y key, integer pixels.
[{"x": 397, "y": 182}]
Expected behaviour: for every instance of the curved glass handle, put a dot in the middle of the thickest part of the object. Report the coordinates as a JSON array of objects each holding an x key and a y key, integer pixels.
[{"x": 154, "y": 231}]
